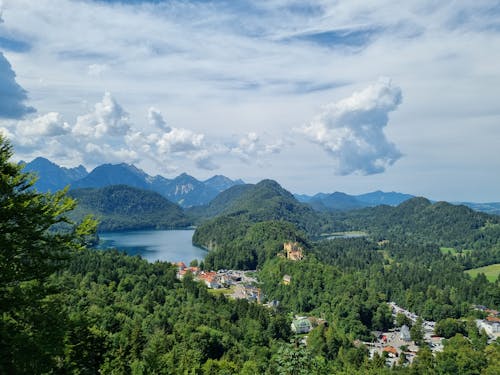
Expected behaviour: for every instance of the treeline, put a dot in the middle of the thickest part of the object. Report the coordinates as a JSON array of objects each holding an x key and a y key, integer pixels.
[
  {"x": 421, "y": 222},
  {"x": 237, "y": 243},
  {"x": 121, "y": 207},
  {"x": 416, "y": 276}
]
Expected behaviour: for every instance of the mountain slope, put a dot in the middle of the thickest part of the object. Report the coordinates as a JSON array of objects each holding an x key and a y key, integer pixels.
[
  {"x": 219, "y": 204},
  {"x": 121, "y": 207},
  {"x": 114, "y": 174},
  {"x": 221, "y": 183},
  {"x": 420, "y": 220},
  {"x": 265, "y": 201},
  {"x": 335, "y": 202},
  {"x": 378, "y": 197},
  {"x": 185, "y": 190},
  {"x": 52, "y": 177}
]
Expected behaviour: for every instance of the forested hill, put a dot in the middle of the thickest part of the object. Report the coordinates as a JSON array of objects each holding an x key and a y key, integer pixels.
[
  {"x": 121, "y": 207},
  {"x": 420, "y": 220},
  {"x": 220, "y": 203},
  {"x": 266, "y": 200}
]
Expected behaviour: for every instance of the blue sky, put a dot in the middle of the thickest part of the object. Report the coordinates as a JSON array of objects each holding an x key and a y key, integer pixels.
[{"x": 325, "y": 96}]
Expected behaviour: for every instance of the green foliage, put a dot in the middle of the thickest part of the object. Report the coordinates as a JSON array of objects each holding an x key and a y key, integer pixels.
[
  {"x": 31, "y": 313},
  {"x": 267, "y": 201},
  {"x": 236, "y": 243},
  {"x": 402, "y": 319},
  {"x": 417, "y": 331},
  {"x": 449, "y": 327},
  {"x": 459, "y": 357},
  {"x": 121, "y": 207},
  {"x": 419, "y": 221}
]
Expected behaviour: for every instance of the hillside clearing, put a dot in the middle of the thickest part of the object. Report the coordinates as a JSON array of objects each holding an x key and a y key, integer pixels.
[{"x": 491, "y": 272}]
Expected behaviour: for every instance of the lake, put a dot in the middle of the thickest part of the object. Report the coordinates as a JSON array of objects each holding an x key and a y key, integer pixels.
[{"x": 152, "y": 245}]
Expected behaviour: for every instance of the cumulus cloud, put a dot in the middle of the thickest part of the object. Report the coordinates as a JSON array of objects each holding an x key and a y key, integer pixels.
[
  {"x": 107, "y": 119},
  {"x": 50, "y": 125},
  {"x": 12, "y": 96},
  {"x": 180, "y": 141},
  {"x": 106, "y": 135},
  {"x": 351, "y": 130},
  {"x": 251, "y": 146},
  {"x": 156, "y": 120},
  {"x": 98, "y": 153}
]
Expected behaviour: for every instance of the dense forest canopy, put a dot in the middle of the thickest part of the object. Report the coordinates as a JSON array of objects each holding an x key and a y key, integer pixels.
[
  {"x": 66, "y": 308},
  {"x": 121, "y": 207}
]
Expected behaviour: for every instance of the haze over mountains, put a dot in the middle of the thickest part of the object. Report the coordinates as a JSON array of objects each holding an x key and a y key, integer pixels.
[{"x": 202, "y": 197}]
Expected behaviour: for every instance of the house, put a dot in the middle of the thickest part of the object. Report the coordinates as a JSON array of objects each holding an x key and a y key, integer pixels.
[
  {"x": 493, "y": 319},
  {"x": 287, "y": 279},
  {"x": 210, "y": 279},
  {"x": 490, "y": 326},
  {"x": 301, "y": 325},
  {"x": 391, "y": 350},
  {"x": 293, "y": 251},
  {"x": 404, "y": 334}
]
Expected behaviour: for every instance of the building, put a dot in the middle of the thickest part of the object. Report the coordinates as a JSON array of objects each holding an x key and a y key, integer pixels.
[
  {"x": 210, "y": 279},
  {"x": 391, "y": 351},
  {"x": 293, "y": 251},
  {"x": 404, "y": 334},
  {"x": 287, "y": 279},
  {"x": 490, "y": 326},
  {"x": 301, "y": 325}
]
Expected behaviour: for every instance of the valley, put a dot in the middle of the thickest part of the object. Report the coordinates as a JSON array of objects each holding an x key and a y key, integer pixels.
[{"x": 281, "y": 282}]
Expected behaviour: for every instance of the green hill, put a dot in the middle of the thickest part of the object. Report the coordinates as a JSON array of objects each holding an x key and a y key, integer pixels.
[
  {"x": 220, "y": 203},
  {"x": 121, "y": 207},
  {"x": 265, "y": 201},
  {"x": 420, "y": 220}
]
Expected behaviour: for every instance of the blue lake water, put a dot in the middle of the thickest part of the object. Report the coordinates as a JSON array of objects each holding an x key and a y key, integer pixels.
[{"x": 165, "y": 245}]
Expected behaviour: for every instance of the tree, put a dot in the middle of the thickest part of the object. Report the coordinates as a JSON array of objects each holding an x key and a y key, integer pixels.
[
  {"x": 417, "y": 331},
  {"x": 402, "y": 319},
  {"x": 36, "y": 238},
  {"x": 31, "y": 249},
  {"x": 449, "y": 327},
  {"x": 382, "y": 319}
]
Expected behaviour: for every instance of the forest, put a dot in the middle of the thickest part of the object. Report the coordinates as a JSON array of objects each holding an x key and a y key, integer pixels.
[{"x": 69, "y": 309}]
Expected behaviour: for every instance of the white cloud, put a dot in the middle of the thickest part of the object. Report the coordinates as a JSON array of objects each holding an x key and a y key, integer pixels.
[
  {"x": 6, "y": 132},
  {"x": 96, "y": 70},
  {"x": 351, "y": 130},
  {"x": 48, "y": 125},
  {"x": 107, "y": 119},
  {"x": 95, "y": 154},
  {"x": 180, "y": 141},
  {"x": 157, "y": 121},
  {"x": 250, "y": 147},
  {"x": 222, "y": 68},
  {"x": 204, "y": 160}
]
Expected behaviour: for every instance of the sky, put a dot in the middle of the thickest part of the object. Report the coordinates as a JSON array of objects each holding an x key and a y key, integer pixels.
[{"x": 322, "y": 96}]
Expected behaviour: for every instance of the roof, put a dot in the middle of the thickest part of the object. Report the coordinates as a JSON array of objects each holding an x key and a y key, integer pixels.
[
  {"x": 493, "y": 319},
  {"x": 302, "y": 323},
  {"x": 390, "y": 349}
]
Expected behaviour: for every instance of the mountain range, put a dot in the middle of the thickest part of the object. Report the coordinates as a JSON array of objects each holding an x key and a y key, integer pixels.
[
  {"x": 184, "y": 189},
  {"x": 201, "y": 197},
  {"x": 339, "y": 201}
]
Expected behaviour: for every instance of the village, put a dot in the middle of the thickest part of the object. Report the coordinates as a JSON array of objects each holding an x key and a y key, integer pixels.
[{"x": 396, "y": 345}]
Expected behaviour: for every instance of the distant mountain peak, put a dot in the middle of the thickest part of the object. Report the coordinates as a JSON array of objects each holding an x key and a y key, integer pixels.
[{"x": 221, "y": 183}]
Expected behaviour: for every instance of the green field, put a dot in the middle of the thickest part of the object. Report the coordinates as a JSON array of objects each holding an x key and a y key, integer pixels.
[{"x": 492, "y": 271}]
